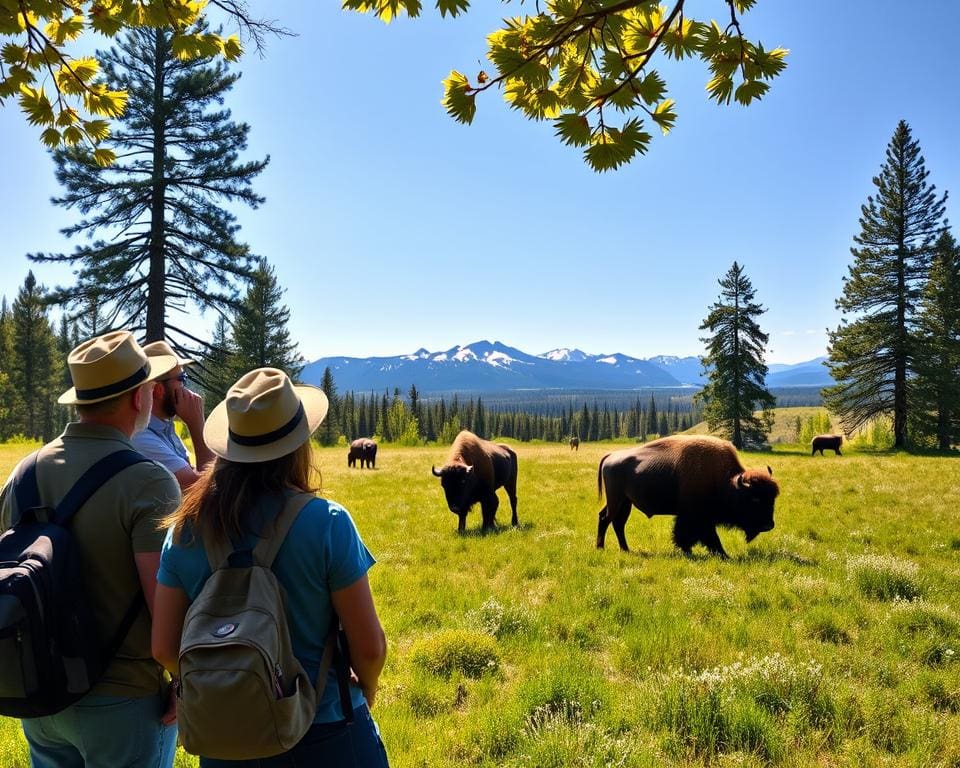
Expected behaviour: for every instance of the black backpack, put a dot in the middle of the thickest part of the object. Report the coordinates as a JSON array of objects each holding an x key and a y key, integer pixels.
[{"x": 51, "y": 652}]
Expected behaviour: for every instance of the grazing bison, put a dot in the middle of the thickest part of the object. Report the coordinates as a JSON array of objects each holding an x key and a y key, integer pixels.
[
  {"x": 831, "y": 442},
  {"x": 575, "y": 444},
  {"x": 698, "y": 479},
  {"x": 473, "y": 472},
  {"x": 364, "y": 449}
]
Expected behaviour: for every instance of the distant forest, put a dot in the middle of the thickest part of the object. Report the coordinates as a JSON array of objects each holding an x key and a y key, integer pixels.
[{"x": 552, "y": 416}]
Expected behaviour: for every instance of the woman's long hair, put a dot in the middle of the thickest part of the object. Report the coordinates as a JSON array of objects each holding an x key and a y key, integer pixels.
[{"x": 220, "y": 503}]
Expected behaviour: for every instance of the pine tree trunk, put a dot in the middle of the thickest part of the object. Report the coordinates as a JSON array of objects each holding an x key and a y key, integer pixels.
[{"x": 156, "y": 279}]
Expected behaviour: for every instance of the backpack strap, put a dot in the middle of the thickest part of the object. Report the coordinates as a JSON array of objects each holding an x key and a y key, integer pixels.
[
  {"x": 223, "y": 554},
  {"x": 91, "y": 481},
  {"x": 25, "y": 487},
  {"x": 265, "y": 552},
  {"x": 336, "y": 653},
  {"x": 28, "y": 498}
]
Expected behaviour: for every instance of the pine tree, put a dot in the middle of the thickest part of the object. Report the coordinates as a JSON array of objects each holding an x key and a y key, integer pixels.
[
  {"x": 873, "y": 355},
  {"x": 260, "y": 334},
  {"x": 938, "y": 364},
  {"x": 163, "y": 240},
  {"x": 216, "y": 367},
  {"x": 652, "y": 421},
  {"x": 37, "y": 367},
  {"x": 734, "y": 364},
  {"x": 10, "y": 401},
  {"x": 329, "y": 431}
]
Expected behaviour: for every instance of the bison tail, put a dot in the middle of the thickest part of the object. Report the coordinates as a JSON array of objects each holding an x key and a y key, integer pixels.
[{"x": 600, "y": 478}]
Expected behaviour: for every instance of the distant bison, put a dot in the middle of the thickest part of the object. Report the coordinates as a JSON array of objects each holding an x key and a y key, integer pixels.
[
  {"x": 575, "y": 444},
  {"x": 364, "y": 449},
  {"x": 698, "y": 479},
  {"x": 473, "y": 472},
  {"x": 830, "y": 442}
]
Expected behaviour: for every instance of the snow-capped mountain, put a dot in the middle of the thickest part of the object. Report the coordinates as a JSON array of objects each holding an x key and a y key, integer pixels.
[{"x": 485, "y": 366}]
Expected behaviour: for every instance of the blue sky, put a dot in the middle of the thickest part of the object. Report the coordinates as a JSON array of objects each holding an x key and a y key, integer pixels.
[{"x": 393, "y": 227}]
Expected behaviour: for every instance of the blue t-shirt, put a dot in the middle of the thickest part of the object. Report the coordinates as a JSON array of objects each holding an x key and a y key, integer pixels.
[{"x": 322, "y": 553}]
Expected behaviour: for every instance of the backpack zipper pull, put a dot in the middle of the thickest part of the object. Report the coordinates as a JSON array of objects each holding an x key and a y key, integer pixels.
[{"x": 278, "y": 679}]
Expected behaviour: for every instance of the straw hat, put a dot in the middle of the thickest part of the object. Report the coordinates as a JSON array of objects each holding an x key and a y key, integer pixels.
[
  {"x": 264, "y": 417},
  {"x": 162, "y": 349},
  {"x": 110, "y": 365}
]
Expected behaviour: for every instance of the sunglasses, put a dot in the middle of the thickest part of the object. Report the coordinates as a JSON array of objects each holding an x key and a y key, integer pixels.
[{"x": 182, "y": 378}]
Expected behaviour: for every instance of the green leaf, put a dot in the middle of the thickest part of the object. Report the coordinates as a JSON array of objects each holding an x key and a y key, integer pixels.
[
  {"x": 452, "y": 7},
  {"x": 573, "y": 129},
  {"x": 664, "y": 116},
  {"x": 652, "y": 87},
  {"x": 750, "y": 90},
  {"x": 51, "y": 137},
  {"x": 459, "y": 99},
  {"x": 104, "y": 157}
]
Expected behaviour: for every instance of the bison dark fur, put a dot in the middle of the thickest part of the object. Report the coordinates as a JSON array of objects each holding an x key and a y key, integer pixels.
[
  {"x": 575, "y": 444},
  {"x": 830, "y": 442},
  {"x": 699, "y": 480},
  {"x": 364, "y": 449},
  {"x": 473, "y": 472}
]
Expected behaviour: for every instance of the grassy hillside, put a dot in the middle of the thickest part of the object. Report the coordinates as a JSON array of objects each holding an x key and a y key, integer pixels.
[{"x": 831, "y": 640}]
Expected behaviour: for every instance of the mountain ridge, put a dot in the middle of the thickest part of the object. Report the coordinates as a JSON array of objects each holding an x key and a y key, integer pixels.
[{"x": 485, "y": 366}]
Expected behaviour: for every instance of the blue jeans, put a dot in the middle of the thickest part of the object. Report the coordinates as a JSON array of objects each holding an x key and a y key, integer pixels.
[
  {"x": 103, "y": 732},
  {"x": 337, "y": 745}
]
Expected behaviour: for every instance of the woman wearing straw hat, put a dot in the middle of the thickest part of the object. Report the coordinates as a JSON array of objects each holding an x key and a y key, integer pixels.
[{"x": 261, "y": 437}]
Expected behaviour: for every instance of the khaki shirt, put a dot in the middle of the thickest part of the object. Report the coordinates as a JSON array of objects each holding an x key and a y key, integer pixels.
[{"x": 121, "y": 518}]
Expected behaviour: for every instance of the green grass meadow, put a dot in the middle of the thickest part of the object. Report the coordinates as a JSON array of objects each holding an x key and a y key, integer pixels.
[{"x": 832, "y": 640}]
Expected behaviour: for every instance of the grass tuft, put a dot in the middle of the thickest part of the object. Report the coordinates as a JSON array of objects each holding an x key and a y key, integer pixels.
[
  {"x": 885, "y": 577},
  {"x": 457, "y": 650}
]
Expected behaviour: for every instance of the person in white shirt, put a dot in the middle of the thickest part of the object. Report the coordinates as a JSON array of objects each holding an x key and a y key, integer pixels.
[{"x": 160, "y": 441}]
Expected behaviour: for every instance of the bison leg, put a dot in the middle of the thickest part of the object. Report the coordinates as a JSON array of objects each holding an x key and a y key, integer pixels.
[
  {"x": 488, "y": 508},
  {"x": 512, "y": 495},
  {"x": 838, "y": 452},
  {"x": 603, "y": 522},
  {"x": 462, "y": 523},
  {"x": 711, "y": 541},
  {"x": 619, "y": 520},
  {"x": 684, "y": 534}
]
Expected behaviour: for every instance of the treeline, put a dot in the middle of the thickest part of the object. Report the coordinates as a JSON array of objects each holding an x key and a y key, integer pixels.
[
  {"x": 33, "y": 370},
  {"x": 414, "y": 420}
]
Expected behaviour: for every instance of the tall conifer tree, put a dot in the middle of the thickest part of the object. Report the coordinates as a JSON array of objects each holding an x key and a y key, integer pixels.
[
  {"x": 938, "y": 364},
  {"x": 216, "y": 369},
  {"x": 163, "y": 241},
  {"x": 10, "y": 404},
  {"x": 329, "y": 431},
  {"x": 260, "y": 334},
  {"x": 734, "y": 364},
  {"x": 873, "y": 353},
  {"x": 36, "y": 369}
]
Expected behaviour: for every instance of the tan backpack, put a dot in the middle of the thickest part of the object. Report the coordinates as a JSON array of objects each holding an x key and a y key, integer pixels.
[{"x": 242, "y": 693}]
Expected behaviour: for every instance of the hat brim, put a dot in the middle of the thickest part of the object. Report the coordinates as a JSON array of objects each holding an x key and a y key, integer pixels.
[
  {"x": 156, "y": 367},
  {"x": 216, "y": 431}
]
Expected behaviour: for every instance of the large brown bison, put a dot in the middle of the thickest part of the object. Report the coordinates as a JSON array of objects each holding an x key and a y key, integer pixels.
[
  {"x": 575, "y": 443},
  {"x": 473, "y": 472},
  {"x": 830, "y": 442},
  {"x": 698, "y": 479},
  {"x": 364, "y": 449}
]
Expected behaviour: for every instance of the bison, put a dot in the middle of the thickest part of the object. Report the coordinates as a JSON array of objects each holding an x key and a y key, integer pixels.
[
  {"x": 575, "y": 444},
  {"x": 699, "y": 480},
  {"x": 364, "y": 449},
  {"x": 831, "y": 442},
  {"x": 473, "y": 472}
]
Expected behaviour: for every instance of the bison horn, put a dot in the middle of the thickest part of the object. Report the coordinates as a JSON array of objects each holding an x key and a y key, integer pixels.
[
  {"x": 770, "y": 470},
  {"x": 469, "y": 468},
  {"x": 434, "y": 470},
  {"x": 740, "y": 481}
]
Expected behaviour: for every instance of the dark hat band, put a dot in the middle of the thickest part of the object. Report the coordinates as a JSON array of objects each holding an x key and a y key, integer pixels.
[
  {"x": 100, "y": 393},
  {"x": 251, "y": 441}
]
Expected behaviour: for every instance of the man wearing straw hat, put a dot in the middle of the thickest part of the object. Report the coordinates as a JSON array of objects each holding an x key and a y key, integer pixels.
[
  {"x": 160, "y": 441},
  {"x": 124, "y": 720}
]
